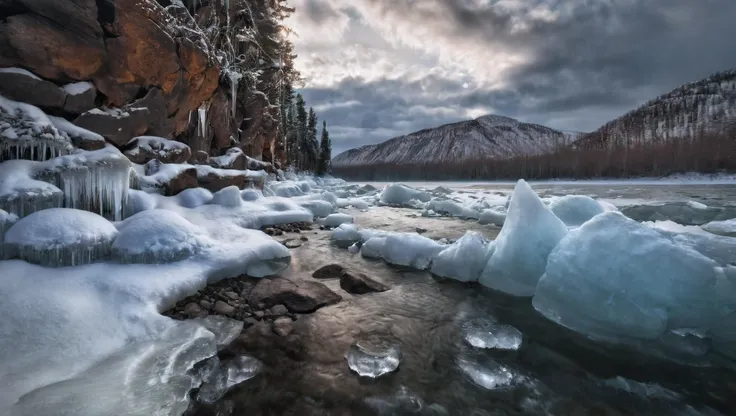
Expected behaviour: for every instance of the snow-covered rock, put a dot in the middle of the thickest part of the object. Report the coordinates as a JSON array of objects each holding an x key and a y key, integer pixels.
[
  {"x": 81, "y": 138},
  {"x": 141, "y": 149},
  {"x": 463, "y": 260},
  {"x": 403, "y": 195},
  {"x": 21, "y": 194},
  {"x": 26, "y": 132},
  {"x": 227, "y": 197},
  {"x": 529, "y": 234},
  {"x": 574, "y": 210},
  {"x": 60, "y": 237},
  {"x": 195, "y": 197},
  {"x": 157, "y": 236},
  {"x": 616, "y": 279}
]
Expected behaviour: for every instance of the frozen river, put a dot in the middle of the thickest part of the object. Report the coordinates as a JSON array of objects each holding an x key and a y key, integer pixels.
[{"x": 443, "y": 371}]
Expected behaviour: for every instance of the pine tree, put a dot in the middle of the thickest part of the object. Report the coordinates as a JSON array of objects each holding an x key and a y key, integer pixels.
[
  {"x": 302, "y": 135},
  {"x": 312, "y": 144},
  {"x": 325, "y": 151}
]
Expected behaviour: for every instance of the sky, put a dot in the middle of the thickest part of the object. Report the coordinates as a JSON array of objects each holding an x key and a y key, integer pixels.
[{"x": 377, "y": 69}]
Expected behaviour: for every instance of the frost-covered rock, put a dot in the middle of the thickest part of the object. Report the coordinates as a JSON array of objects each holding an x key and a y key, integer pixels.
[
  {"x": 157, "y": 236},
  {"x": 27, "y": 133},
  {"x": 463, "y": 260},
  {"x": 215, "y": 179},
  {"x": 81, "y": 138},
  {"x": 21, "y": 194},
  {"x": 334, "y": 220},
  {"x": 141, "y": 149},
  {"x": 235, "y": 159},
  {"x": 616, "y": 279},
  {"x": 574, "y": 210},
  {"x": 168, "y": 179},
  {"x": 402, "y": 195},
  {"x": 412, "y": 250},
  {"x": 492, "y": 216},
  {"x": 60, "y": 237},
  {"x": 529, "y": 234},
  {"x": 726, "y": 228}
]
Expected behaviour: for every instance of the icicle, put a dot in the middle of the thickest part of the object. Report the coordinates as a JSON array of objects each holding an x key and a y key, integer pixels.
[{"x": 202, "y": 112}]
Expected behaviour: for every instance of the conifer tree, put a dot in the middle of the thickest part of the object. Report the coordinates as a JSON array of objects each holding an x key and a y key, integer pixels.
[
  {"x": 312, "y": 144},
  {"x": 302, "y": 135},
  {"x": 325, "y": 151}
]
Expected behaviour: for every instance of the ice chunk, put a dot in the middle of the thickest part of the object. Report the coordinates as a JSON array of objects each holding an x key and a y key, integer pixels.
[
  {"x": 225, "y": 375},
  {"x": 374, "y": 359},
  {"x": 413, "y": 250},
  {"x": 334, "y": 220},
  {"x": 157, "y": 236},
  {"x": 679, "y": 212},
  {"x": 225, "y": 329},
  {"x": 227, "y": 197},
  {"x": 27, "y": 133},
  {"x": 447, "y": 207},
  {"x": 194, "y": 197},
  {"x": 317, "y": 207},
  {"x": 643, "y": 390},
  {"x": 574, "y": 210},
  {"x": 696, "y": 205},
  {"x": 485, "y": 333},
  {"x": 616, "y": 279},
  {"x": 354, "y": 202},
  {"x": 464, "y": 260},
  {"x": 402, "y": 195},
  {"x": 492, "y": 216},
  {"x": 726, "y": 228},
  {"x": 373, "y": 248},
  {"x": 59, "y": 237},
  {"x": 529, "y": 234},
  {"x": 345, "y": 235},
  {"x": 491, "y": 375}
]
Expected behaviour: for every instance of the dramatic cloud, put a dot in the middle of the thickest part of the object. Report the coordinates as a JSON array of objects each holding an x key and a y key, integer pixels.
[{"x": 376, "y": 69}]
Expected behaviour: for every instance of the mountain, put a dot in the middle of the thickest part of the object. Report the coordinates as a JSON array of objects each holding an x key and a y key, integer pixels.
[
  {"x": 489, "y": 136},
  {"x": 705, "y": 106}
]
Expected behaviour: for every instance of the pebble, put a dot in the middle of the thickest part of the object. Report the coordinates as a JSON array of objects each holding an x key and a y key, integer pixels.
[
  {"x": 259, "y": 314},
  {"x": 279, "y": 310},
  {"x": 192, "y": 309},
  {"x": 205, "y": 304},
  {"x": 223, "y": 308},
  {"x": 248, "y": 322},
  {"x": 232, "y": 295},
  {"x": 282, "y": 326},
  {"x": 304, "y": 238}
]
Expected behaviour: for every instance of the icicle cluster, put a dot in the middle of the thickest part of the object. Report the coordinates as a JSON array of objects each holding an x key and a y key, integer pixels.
[
  {"x": 26, "y": 203},
  {"x": 202, "y": 112},
  {"x": 27, "y": 133}
]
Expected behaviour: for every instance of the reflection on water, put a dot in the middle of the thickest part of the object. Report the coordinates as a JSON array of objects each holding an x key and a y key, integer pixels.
[{"x": 535, "y": 368}]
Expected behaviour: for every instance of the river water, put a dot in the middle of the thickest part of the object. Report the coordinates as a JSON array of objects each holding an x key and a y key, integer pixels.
[{"x": 554, "y": 371}]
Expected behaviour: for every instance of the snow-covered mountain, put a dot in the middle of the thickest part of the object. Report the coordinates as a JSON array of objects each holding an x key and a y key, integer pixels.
[
  {"x": 489, "y": 136},
  {"x": 705, "y": 106}
]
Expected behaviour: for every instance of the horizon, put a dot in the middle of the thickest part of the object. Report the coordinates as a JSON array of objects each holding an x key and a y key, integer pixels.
[{"x": 379, "y": 70}]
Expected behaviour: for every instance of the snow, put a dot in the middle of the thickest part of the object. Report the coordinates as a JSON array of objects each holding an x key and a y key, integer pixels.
[
  {"x": 157, "y": 236},
  {"x": 195, "y": 197},
  {"x": 334, "y": 220},
  {"x": 113, "y": 112},
  {"x": 529, "y": 234},
  {"x": 463, "y": 260},
  {"x": 20, "y": 71},
  {"x": 20, "y": 194},
  {"x": 616, "y": 279},
  {"x": 574, "y": 210},
  {"x": 77, "y": 88},
  {"x": 161, "y": 176},
  {"x": 402, "y": 195},
  {"x": 59, "y": 237},
  {"x": 75, "y": 132},
  {"x": 139, "y": 201},
  {"x": 227, "y": 197},
  {"x": 726, "y": 228},
  {"x": 27, "y": 133},
  {"x": 158, "y": 146}
]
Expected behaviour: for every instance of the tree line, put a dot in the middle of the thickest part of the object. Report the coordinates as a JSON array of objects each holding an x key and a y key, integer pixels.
[
  {"x": 304, "y": 151},
  {"x": 705, "y": 152}
]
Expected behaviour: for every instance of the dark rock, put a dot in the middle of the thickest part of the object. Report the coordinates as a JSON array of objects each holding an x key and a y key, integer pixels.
[
  {"x": 206, "y": 305},
  {"x": 29, "y": 89},
  {"x": 248, "y": 322},
  {"x": 185, "y": 179},
  {"x": 421, "y": 230},
  {"x": 359, "y": 283},
  {"x": 79, "y": 103},
  {"x": 259, "y": 314},
  {"x": 215, "y": 180},
  {"x": 331, "y": 271},
  {"x": 193, "y": 310},
  {"x": 282, "y": 326},
  {"x": 199, "y": 157},
  {"x": 301, "y": 296},
  {"x": 292, "y": 243},
  {"x": 223, "y": 308},
  {"x": 115, "y": 125},
  {"x": 304, "y": 238},
  {"x": 232, "y": 295}
]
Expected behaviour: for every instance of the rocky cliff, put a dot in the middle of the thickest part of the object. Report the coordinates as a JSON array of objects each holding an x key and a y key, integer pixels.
[{"x": 194, "y": 71}]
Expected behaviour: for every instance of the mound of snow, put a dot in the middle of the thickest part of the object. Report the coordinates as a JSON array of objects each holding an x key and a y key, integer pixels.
[
  {"x": 412, "y": 250},
  {"x": 334, "y": 220},
  {"x": 463, "y": 260},
  {"x": 402, "y": 195},
  {"x": 20, "y": 194},
  {"x": 139, "y": 201},
  {"x": 286, "y": 189},
  {"x": 492, "y": 216},
  {"x": 194, "y": 197},
  {"x": 157, "y": 236},
  {"x": 574, "y": 210},
  {"x": 529, "y": 234},
  {"x": 616, "y": 279},
  {"x": 60, "y": 237},
  {"x": 227, "y": 197},
  {"x": 317, "y": 207},
  {"x": 726, "y": 228},
  {"x": 250, "y": 194}
]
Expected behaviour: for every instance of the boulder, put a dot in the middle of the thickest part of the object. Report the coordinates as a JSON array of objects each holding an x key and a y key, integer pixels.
[
  {"x": 359, "y": 283},
  {"x": 115, "y": 125},
  {"x": 331, "y": 271},
  {"x": 80, "y": 97},
  {"x": 21, "y": 85},
  {"x": 300, "y": 296},
  {"x": 216, "y": 179},
  {"x": 145, "y": 148},
  {"x": 199, "y": 157}
]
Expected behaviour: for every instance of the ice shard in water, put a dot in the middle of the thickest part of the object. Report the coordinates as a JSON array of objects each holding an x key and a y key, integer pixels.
[{"x": 374, "y": 359}]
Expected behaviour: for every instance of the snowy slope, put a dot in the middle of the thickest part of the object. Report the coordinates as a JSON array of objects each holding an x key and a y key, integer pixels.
[
  {"x": 708, "y": 105},
  {"x": 488, "y": 136}
]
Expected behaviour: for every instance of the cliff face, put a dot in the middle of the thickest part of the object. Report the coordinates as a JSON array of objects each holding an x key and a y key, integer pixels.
[{"x": 124, "y": 68}]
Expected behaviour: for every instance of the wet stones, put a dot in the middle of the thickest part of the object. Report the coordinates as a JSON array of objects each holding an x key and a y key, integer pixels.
[
  {"x": 351, "y": 282},
  {"x": 282, "y": 326},
  {"x": 292, "y": 243},
  {"x": 222, "y": 308},
  {"x": 280, "y": 229},
  {"x": 331, "y": 271},
  {"x": 301, "y": 296}
]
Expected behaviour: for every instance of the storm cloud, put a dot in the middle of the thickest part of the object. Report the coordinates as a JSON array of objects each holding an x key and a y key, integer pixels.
[{"x": 376, "y": 69}]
